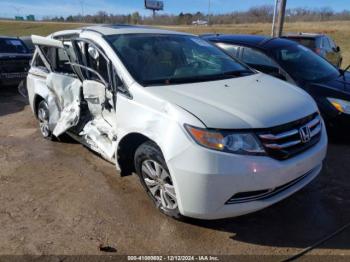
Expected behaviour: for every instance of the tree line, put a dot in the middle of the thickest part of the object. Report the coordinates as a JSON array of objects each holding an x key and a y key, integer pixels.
[{"x": 258, "y": 14}]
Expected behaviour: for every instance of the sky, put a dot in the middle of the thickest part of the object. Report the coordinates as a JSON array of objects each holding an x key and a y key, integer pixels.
[{"x": 41, "y": 8}]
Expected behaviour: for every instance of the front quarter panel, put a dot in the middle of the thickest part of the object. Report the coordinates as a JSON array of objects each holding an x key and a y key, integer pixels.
[
  {"x": 158, "y": 120},
  {"x": 155, "y": 118}
]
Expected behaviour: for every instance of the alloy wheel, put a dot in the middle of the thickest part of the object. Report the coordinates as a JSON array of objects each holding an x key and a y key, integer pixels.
[
  {"x": 43, "y": 117},
  {"x": 159, "y": 183}
]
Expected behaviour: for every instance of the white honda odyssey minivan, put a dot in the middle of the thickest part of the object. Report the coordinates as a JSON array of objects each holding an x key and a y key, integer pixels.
[{"x": 208, "y": 136}]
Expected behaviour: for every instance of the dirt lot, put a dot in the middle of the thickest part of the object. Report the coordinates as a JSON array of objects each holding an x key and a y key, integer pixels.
[{"x": 59, "y": 198}]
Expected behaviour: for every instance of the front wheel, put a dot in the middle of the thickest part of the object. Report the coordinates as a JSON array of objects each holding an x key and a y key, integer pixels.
[{"x": 155, "y": 178}]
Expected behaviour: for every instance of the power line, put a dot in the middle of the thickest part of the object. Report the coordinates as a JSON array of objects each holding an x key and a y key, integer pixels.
[
  {"x": 82, "y": 5},
  {"x": 209, "y": 7},
  {"x": 18, "y": 9}
]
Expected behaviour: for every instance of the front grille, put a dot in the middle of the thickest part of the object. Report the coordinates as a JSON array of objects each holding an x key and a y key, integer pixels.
[
  {"x": 249, "y": 196},
  {"x": 14, "y": 66},
  {"x": 286, "y": 141}
]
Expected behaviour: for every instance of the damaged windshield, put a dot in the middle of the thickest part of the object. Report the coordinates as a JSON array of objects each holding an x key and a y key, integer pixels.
[
  {"x": 12, "y": 46},
  {"x": 158, "y": 59}
]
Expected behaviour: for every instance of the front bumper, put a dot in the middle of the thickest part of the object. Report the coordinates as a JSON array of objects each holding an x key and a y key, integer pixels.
[
  {"x": 339, "y": 123},
  {"x": 11, "y": 79},
  {"x": 205, "y": 179}
]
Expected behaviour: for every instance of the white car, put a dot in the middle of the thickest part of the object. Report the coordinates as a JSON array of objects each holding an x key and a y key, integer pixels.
[{"x": 209, "y": 137}]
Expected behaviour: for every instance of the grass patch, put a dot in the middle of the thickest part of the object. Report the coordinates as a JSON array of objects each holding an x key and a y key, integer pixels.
[{"x": 17, "y": 28}]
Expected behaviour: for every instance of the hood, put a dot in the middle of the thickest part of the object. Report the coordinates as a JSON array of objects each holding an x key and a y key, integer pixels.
[
  {"x": 341, "y": 83},
  {"x": 256, "y": 101}
]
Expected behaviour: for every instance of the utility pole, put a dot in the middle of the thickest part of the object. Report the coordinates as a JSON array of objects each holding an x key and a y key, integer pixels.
[
  {"x": 82, "y": 3},
  {"x": 209, "y": 6},
  {"x": 278, "y": 18},
  {"x": 274, "y": 19}
]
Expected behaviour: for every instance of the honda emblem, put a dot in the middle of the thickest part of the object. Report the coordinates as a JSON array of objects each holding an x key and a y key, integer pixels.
[{"x": 305, "y": 134}]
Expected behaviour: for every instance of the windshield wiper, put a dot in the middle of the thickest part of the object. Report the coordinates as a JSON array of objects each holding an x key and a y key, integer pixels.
[
  {"x": 170, "y": 81},
  {"x": 342, "y": 72},
  {"x": 199, "y": 78},
  {"x": 238, "y": 73}
]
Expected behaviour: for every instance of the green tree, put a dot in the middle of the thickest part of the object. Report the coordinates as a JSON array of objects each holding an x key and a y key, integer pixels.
[{"x": 135, "y": 18}]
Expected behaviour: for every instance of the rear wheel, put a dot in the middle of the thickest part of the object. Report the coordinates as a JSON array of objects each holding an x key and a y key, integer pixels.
[
  {"x": 44, "y": 117},
  {"x": 155, "y": 178}
]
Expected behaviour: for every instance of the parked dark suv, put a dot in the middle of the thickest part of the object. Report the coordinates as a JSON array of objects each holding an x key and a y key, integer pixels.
[
  {"x": 14, "y": 61},
  {"x": 27, "y": 40},
  {"x": 321, "y": 44}
]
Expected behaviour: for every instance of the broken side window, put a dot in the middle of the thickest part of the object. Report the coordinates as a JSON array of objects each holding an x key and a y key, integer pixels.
[
  {"x": 38, "y": 62},
  {"x": 70, "y": 52},
  {"x": 58, "y": 59},
  {"x": 91, "y": 63},
  {"x": 48, "y": 53},
  {"x": 97, "y": 62},
  {"x": 62, "y": 62}
]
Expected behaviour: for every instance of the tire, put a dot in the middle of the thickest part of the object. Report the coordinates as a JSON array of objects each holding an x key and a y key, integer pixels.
[
  {"x": 155, "y": 178},
  {"x": 43, "y": 115}
]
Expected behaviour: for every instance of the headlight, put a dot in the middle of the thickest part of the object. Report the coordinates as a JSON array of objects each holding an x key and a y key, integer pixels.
[
  {"x": 341, "y": 105},
  {"x": 238, "y": 143}
]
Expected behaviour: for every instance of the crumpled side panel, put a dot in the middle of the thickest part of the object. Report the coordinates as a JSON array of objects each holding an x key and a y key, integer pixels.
[
  {"x": 66, "y": 90},
  {"x": 65, "y": 87},
  {"x": 69, "y": 117},
  {"x": 100, "y": 137}
]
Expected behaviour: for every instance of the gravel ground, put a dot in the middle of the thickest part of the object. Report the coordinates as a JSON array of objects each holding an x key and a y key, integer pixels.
[{"x": 58, "y": 198}]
